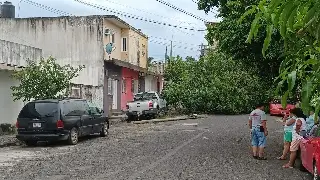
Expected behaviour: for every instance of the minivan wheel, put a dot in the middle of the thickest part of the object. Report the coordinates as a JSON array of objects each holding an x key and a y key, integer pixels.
[
  {"x": 104, "y": 130},
  {"x": 315, "y": 172},
  {"x": 73, "y": 136}
]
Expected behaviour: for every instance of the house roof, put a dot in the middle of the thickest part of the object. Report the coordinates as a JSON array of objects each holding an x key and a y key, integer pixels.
[{"x": 114, "y": 19}]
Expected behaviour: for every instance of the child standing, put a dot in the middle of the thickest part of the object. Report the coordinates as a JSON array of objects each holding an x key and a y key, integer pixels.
[{"x": 258, "y": 128}]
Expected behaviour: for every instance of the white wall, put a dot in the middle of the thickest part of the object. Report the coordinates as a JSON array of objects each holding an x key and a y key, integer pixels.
[
  {"x": 150, "y": 83},
  {"x": 71, "y": 40},
  {"x": 9, "y": 109}
]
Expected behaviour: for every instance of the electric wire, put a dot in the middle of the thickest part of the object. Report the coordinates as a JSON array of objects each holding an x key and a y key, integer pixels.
[
  {"x": 62, "y": 13},
  {"x": 134, "y": 16},
  {"x": 182, "y": 10}
]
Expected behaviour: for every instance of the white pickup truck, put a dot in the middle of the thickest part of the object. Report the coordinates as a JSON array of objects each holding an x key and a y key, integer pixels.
[{"x": 146, "y": 104}]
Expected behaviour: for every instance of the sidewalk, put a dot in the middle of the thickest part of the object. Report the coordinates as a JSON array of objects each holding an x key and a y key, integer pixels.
[{"x": 179, "y": 118}]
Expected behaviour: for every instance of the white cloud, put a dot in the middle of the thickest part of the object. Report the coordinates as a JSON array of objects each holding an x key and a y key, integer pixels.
[{"x": 150, "y": 9}]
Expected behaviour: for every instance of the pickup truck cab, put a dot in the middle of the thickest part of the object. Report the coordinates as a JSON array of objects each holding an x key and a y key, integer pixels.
[
  {"x": 55, "y": 120},
  {"x": 147, "y": 104}
]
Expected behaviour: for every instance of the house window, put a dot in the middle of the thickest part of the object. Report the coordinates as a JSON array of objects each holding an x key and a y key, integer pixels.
[
  {"x": 124, "y": 44},
  {"x": 113, "y": 38},
  {"x": 110, "y": 86},
  {"x": 124, "y": 86},
  {"x": 134, "y": 86}
]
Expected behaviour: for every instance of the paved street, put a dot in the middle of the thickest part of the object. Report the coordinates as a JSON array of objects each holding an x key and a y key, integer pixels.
[{"x": 213, "y": 148}]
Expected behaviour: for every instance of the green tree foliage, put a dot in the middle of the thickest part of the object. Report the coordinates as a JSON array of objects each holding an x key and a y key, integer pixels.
[
  {"x": 232, "y": 37},
  {"x": 299, "y": 25},
  {"x": 43, "y": 80},
  {"x": 214, "y": 84}
]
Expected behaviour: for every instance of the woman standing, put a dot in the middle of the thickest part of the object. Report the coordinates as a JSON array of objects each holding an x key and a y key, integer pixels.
[
  {"x": 288, "y": 123},
  {"x": 298, "y": 132}
]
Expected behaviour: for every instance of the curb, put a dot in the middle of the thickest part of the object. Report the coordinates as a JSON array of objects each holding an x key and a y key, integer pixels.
[{"x": 169, "y": 119}]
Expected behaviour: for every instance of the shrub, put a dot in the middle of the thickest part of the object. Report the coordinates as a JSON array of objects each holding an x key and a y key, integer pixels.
[
  {"x": 7, "y": 128},
  {"x": 214, "y": 84}
]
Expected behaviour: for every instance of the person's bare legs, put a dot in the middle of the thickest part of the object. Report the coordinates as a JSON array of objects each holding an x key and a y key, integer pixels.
[
  {"x": 255, "y": 151},
  {"x": 261, "y": 151},
  {"x": 286, "y": 148},
  {"x": 293, "y": 156},
  {"x": 293, "y": 153}
]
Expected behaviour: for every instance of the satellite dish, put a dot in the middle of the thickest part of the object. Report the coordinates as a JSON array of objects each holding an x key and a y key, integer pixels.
[{"x": 110, "y": 48}]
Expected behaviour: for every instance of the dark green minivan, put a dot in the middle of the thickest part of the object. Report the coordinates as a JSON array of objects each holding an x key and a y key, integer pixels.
[{"x": 55, "y": 120}]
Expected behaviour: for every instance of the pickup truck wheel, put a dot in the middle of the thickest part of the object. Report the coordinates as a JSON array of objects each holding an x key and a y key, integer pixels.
[
  {"x": 73, "y": 136},
  {"x": 130, "y": 118},
  {"x": 105, "y": 130}
]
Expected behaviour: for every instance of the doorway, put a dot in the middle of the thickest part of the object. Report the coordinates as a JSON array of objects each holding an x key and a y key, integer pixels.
[{"x": 115, "y": 94}]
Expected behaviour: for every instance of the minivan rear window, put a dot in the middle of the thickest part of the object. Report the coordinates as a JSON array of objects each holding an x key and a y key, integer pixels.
[{"x": 38, "y": 110}]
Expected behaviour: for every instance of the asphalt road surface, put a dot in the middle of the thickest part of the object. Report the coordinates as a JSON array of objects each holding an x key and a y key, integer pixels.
[{"x": 214, "y": 148}]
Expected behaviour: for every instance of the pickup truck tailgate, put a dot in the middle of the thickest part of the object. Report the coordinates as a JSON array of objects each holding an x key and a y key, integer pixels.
[{"x": 138, "y": 106}]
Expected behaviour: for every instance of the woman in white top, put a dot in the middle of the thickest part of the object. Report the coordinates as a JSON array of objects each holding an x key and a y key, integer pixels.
[{"x": 299, "y": 131}]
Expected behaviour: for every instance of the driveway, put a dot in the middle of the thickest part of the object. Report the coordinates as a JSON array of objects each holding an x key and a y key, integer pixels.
[{"x": 216, "y": 147}]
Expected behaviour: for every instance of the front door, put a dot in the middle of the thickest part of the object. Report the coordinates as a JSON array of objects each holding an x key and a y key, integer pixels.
[{"x": 115, "y": 94}]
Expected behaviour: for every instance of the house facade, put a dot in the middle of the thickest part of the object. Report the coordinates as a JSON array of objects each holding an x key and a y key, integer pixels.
[
  {"x": 113, "y": 52},
  {"x": 71, "y": 40},
  {"x": 154, "y": 81},
  {"x": 13, "y": 56},
  {"x": 128, "y": 60}
]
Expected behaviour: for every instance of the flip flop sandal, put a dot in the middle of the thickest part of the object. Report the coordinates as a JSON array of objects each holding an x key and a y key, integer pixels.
[
  {"x": 287, "y": 166},
  {"x": 255, "y": 157},
  {"x": 262, "y": 158},
  {"x": 280, "y": 158}
]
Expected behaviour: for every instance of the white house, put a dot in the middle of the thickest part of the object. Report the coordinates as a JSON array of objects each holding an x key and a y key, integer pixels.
[
  {"x": 71, "y": 40},
  {"x": 12, "y": 56}
]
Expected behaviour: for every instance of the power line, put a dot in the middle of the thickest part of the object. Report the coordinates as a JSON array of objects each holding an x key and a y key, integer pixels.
[
  {"x": 142, "y": 10},
  {"x": 59, "y": 12},
  {"x": 62, "y": 13},
  {"x": 125, "y": 14},
  {"x": 181, "y": 10},
  {"x": 172, "y": 40}
]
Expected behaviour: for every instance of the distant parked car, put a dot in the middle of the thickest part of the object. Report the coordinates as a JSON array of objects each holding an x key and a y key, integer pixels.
[
  {"x": 276, "y": 108},
  {"x": 54, "y": 120},
  {"x": 310, "y": 154},
  {"x": 148, "y": 104}
]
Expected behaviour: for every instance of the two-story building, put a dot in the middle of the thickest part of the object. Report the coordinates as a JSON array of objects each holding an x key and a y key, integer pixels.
[
  {"x": 126, "y": 64},
  {"x": 85, "y": 40}
]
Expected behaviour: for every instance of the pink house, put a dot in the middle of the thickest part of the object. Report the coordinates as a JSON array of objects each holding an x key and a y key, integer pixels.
[{"x": 130, "y": 85}]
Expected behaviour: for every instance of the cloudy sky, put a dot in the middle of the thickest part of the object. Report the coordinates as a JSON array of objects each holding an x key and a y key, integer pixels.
[{"x": 185, "y": 42}]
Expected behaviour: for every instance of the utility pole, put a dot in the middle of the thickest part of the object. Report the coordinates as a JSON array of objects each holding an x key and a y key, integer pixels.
[{"x": 171, "y": 47}]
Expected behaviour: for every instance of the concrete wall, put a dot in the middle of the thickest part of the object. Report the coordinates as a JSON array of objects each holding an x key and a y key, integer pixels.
[
  {"x": 138, "y": 49},
  {"x": 125, "y": 55},
  {"x": 12, "y": 56},
  {"x": 9, "y": 109},
  {"x": 16, "y": 55},
  {"x": 71, "y": 40},
  {"x": 116, "y": 30},
  {"x": 150, "y": 83}
]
